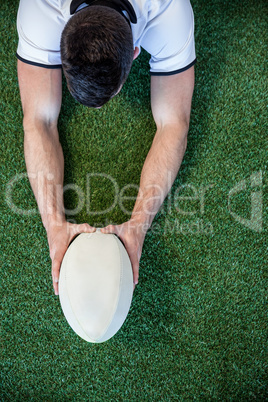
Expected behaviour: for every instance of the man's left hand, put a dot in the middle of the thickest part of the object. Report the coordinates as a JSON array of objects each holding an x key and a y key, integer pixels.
[{"x": 132, "y": 235}]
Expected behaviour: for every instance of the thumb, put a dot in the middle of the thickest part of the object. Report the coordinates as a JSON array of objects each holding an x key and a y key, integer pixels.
[
  {"x": 84, "y": 228},
  {"x": 109, "y": 229}
]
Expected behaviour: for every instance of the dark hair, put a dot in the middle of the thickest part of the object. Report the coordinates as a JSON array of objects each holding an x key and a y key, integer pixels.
[{"x": 97, "y": 54}]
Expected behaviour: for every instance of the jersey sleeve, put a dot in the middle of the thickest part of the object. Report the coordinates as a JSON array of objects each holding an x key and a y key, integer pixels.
[
  {"x": 39, "y": 26},
  {"x": 169, "y": 38}
]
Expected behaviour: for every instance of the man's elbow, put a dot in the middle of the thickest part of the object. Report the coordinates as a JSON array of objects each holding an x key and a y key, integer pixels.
[
  {"x": 178, "y": 138},
  {"x": 181, "y": 128},
  {"x": 32, "y": 123}
]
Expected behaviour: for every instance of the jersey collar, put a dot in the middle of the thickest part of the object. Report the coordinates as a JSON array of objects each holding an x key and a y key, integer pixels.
[{"x": 118, "y": 5}]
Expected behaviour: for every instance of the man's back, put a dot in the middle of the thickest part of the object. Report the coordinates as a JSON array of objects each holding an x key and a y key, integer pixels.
[{"x": 164, "y": 28}]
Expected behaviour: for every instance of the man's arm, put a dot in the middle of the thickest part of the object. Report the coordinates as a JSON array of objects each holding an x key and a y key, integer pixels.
[
  {"x": 171, "y": 98},
  {"x": 41, "y": 93}
]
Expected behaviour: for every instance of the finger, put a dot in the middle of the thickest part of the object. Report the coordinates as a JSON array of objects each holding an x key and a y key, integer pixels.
[
  {"x": 56, "y": 288},
  {"x": 135, "y": 266},
  {"x": 136, "y": 274},
  {"x": 55, "y": 275}
]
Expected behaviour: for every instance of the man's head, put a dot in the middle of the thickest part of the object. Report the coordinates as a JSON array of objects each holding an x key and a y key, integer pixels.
[{"x": 97, "y": 54}]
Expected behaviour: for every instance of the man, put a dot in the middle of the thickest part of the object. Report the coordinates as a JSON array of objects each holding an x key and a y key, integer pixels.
[{"x": 95, "y": 43}]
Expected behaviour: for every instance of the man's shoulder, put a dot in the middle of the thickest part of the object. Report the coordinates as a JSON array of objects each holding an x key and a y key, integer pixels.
[
  {"x": 47, "y": 6},
  {"x": 39, "y": 25},
  {"x": 165, "y": 29},
  {"x": 143, "y": 7}
]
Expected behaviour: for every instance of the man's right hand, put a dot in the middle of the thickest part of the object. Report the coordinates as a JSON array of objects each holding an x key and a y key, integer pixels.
[{"x": 59, "y": 238}]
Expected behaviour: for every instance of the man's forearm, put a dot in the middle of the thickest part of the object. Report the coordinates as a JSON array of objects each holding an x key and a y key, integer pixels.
[
  {"x": 45, "y": 167},
  {"x": 159, "y": 171}
]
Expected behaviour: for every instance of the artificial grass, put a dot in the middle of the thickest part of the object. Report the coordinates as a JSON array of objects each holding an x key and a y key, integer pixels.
[{"x": 197, "y": 327}]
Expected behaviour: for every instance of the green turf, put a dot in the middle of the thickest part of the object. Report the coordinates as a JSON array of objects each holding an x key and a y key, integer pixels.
[{"x": 197, "y": 327}]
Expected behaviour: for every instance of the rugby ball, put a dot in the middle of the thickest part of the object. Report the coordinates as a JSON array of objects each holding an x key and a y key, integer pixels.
[{"x": 96, "y": 285}]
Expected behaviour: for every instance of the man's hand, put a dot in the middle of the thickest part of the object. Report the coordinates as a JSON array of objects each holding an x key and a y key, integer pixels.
[
  {"x": 59, "y": 239},
  {"x": 132, "y": 235}
]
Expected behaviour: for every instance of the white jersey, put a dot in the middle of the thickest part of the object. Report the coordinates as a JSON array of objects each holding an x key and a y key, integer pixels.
[{"x": 164, "y": 28}]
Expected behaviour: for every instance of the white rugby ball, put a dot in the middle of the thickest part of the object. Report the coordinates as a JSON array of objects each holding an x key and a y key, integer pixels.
[{"x": 96, "y": 285}]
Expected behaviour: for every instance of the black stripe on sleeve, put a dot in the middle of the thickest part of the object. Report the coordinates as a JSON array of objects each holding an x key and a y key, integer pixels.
[
  {"x": 32, "y": 63},
  {"x": 174, "y": 72}
]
